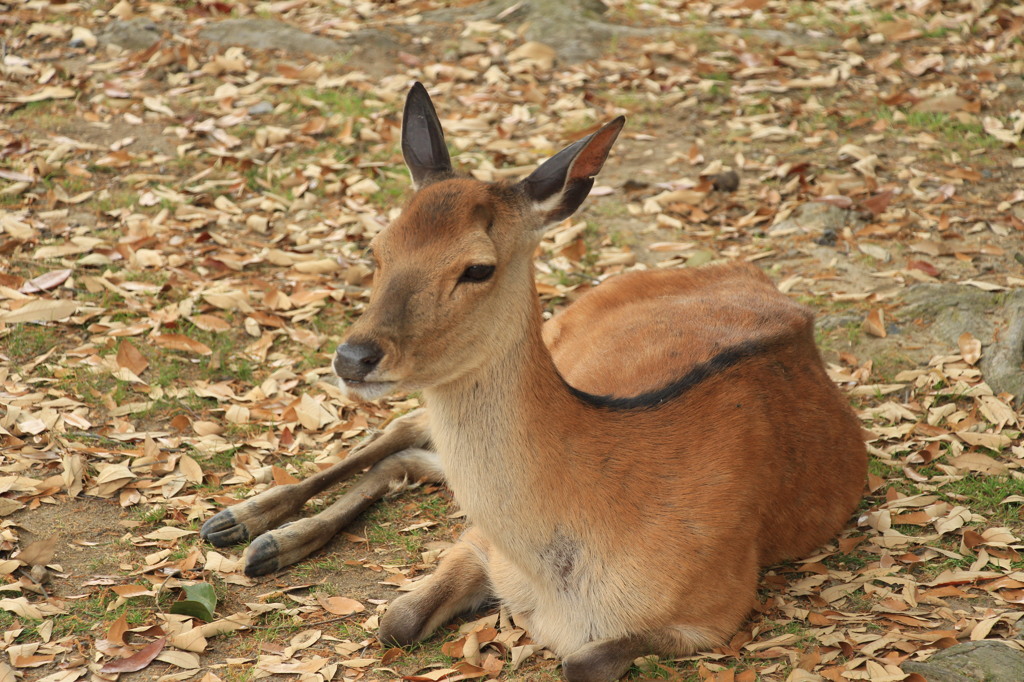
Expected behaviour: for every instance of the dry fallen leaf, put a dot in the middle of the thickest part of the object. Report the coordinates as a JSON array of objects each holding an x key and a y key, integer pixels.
[
  {"x": 40, "y": 552},
  {"x": 970, "y": 348},
  {"x": 340, "y": 606},
  {"x": 40, "y": 310},
  {"x": 129, "y": 357},
  {"x": 182, "y": 343},
  {"x": 117, "y": 630},
  {"x": 874, "y": 323},
  {"x": 48, "y": 92},
  {"x": 138, "y": 661}
]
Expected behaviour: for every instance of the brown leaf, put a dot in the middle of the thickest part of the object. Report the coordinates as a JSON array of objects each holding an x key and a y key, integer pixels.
[
  {"x": 130, "y": 358},
  {"x": 40, "y": 552},
  {"x": 899, "y": 30},
  {"x": 847, "y": 545},
  {"x": 874, "y": 324},
  {"x": 49, "y": 92},
  {"x": 182, "y": 343},
  {"x": 210, "y": 323},
  {"x": 282, "y": 477},
  {"x": 924, "y": 266},
  {"x": 340, "y": 606},
  {"x": 23, "y": 661},
  {"x": 128, "y": 591},
  {"x": 142, "y": 658},
  {"x": 970, "y": 348},
  {"x": 12, "y": 281},
  {"x": 965, "y": 174},
  {"x": 40, "y": 310},
  {"x": 180, "y": 422},
  {"x": 191, "y": 469},
  {"x": 976, "y": 461},
  {"x": 115, "y": 633},
  {"x": 946, "y": 104},
  {"x": 878, "y": 203},
  {"x": 45, "y": 282}
]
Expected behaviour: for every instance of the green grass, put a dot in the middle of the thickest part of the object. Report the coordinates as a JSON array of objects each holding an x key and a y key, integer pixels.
[
  {"x": 385, "y": 519},
  {"x": 151, "y": 515},
  {"x": 650, "y": 669},
  {"x": 185, "y": 546},
  {"x": 940, "y": 32},
  {"x": 344, "y": 101},
  {"x": 393, "y": 184},
  {"x": 26, "y": 341},
  {"x": 983, "y": 495},
  {"x": 959, "y": 131},
  {"x": 86, "y": 383},
  {"x": 315, "y": 567},
  {"x": 845, "y": 562},
  {"x": 901, "y": 484},
  {"x": 434, "y": 506},
  {"x": 386, "y": 536},
  {"x": 89, "y": 616},
  {"x": 44, "y": 114}
]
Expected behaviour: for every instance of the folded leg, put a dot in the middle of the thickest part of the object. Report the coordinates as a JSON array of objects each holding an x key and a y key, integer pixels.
[
  {"x": 269, "y": 509},
  {"x": 459, "y": 584},
  {"x": 292, "y": 542},
  {"x": 606, "y": 660}
]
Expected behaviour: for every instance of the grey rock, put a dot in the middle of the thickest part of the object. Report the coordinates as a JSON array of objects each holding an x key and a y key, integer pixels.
[
  {"x": 578, "y": 31},
  {"x": 370, "y": 49},
  {"x": 934, "y": 673},
  {"x": 135, "y": 34},
  {"x": 830, "y": 321},
  {"x": 1003, "y": 363},
  {"x": 985, "y": 661},
  {"x": 827, "y": 238},
  {"x": 994, "y": 318},
  {"x": 261, "y": 108},
  {"x": 375, "y": 50},
  {"x": 816, "y": 218},
  {"x": 268, "y": 34},
  {"x": 951, "y": 310},
  {"x": 729, "y": 181}
]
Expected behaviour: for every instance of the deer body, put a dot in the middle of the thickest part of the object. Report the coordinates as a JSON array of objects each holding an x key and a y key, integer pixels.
[
  {"x": 628, "y": 467},
  {"x": 609, "y": 521}
]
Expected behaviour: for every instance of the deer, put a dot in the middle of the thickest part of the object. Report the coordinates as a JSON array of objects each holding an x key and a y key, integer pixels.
[{"x": 627, "y": 468}]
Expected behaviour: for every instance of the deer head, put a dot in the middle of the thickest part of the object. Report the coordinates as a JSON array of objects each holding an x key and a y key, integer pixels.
[{"x": 454, "y": 277}]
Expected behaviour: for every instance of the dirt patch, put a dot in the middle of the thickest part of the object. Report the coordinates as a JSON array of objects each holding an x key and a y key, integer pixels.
[{"x": 88, "y": 533}]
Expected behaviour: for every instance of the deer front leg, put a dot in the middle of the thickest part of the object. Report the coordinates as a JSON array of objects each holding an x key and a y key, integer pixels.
[
  {"x": 292, "y": 542},
  {"x": 606, "y": 660},
  {"x": 269, "y": 509},
  {"x": 459, "y": 584}
]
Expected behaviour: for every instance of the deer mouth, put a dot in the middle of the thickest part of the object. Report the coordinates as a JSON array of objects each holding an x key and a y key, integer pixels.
[{"x": 359, "y": 389}]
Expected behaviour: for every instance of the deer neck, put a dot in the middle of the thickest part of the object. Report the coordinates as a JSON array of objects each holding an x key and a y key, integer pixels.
[{"x": 493, "y": 444}]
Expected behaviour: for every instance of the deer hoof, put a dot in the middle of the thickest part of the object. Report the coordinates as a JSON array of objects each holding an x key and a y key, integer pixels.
[
  {"x": 263, "y": 556},
  {"x": 399, "y": 627},
  {"x": 224, "y": 530},
  {"x": 596, "y": 663}
]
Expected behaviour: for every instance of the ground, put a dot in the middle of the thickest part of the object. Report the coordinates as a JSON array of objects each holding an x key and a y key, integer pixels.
[{"x": 183, "y": 223}]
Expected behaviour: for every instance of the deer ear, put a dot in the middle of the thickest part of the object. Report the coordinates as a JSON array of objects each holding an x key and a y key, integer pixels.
[
  {"x": 423, "y": 145},
  {"x": 562, "y": 182}
]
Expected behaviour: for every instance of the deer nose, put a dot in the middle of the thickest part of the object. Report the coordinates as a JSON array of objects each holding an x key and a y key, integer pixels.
[{"x": 355, "y": 360}]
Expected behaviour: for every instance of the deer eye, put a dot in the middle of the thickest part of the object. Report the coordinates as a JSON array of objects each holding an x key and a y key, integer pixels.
[{"x": 477, "y": 273}]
